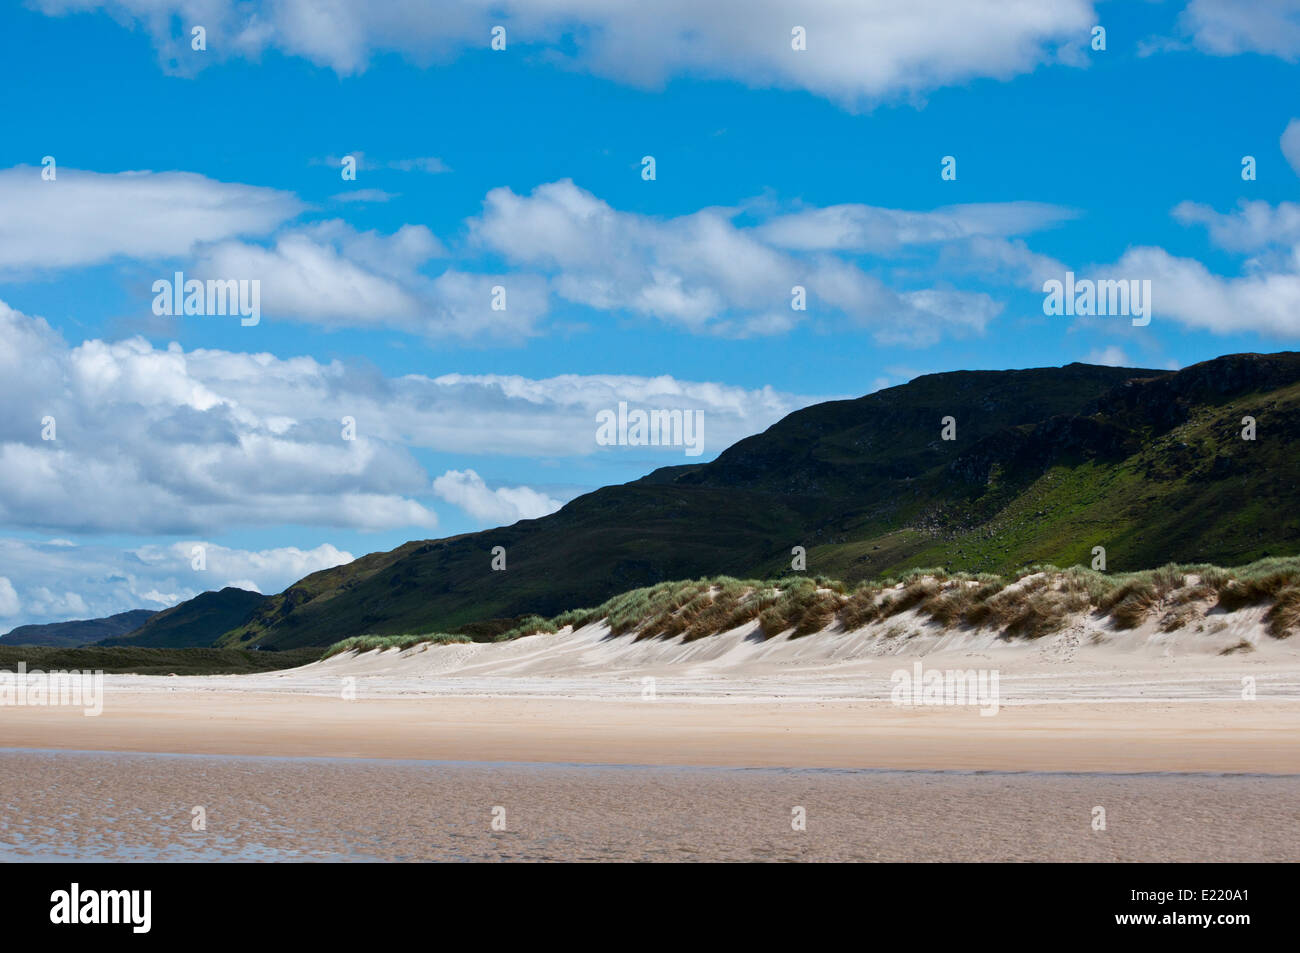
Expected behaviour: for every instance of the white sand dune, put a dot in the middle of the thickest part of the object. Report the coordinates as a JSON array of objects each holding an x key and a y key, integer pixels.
[
  {"x": 1088, "y": 660},
  {"x": 1086, "y": 699}
]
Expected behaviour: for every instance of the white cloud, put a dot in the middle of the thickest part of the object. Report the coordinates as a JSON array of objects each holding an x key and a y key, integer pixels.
[
  {"x": 86, "y": 218},
  {"x": 556, "y": 416},
  {"x": 868, "y": 228},
  {"x": 1007, "y": 260},
  {"x": 1267, "y": 302},
  {"x": 857, "y": 52},
  {"x": 9, "y": 604},
  {"x": 330, "y": 275},
  {"x": 55, "y": 584},
  {"x": 1253, "y": 226},
  {"x": 267, "y": 570},
  {"x": 1111, "y": 356},
  {"x": 1264, "y": 298},
  {"x": 704, "y": 273},
  {"x": 142, "y": 445},
  {"x": 1230, "y": 27},
  {"x": 499, "y": 507},
  {"x": 700, "y": 272},
  {"x": 163, "y": 440},
  {"x": 976, "y": 239},
  {"x": 1290, "y": 143},
  {"x": 45, "y": 603}
]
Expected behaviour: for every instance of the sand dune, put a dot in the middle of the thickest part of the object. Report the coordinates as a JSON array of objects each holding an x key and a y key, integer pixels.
[
  {"x": 1077, "y": 701},
  {"x": 1086, "y": 661}
]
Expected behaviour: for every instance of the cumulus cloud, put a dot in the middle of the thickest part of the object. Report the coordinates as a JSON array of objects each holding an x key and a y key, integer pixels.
[
  {"x": 1264, "y": 298},
  {"x": 1229, "y": 27},
  {"x": 331, "y": 275},
  {"x": 711, "y": 272},
  {"x": 1253, "y": 226},
  {"x": 53, "y": 583},
  {"x": 704, "y": 273},
  {"x": 9, "y": 604},
  {"x": 1267, "y": 302},
  {"x": 141, "y": 445},
  {"x": 163, "y": 440},
  {"x": 266, "y": 570},
  {"x": 868, "y": 228},
  {"x": 499, "y": 507},
  {"x": 856, "y": 52},
  {"x": 87, "y": 218}
]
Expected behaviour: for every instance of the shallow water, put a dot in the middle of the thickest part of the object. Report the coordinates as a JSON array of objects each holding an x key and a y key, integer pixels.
[{"x": 109, "y": 806}]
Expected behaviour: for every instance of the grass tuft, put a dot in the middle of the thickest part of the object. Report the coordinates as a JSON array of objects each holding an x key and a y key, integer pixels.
[{"x": 368, "y": 643}]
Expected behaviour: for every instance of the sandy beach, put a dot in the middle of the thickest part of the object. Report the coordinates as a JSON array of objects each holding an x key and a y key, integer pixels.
[
  {"x": 821, "y": 702},
  {"x": 608, "y": 748}
]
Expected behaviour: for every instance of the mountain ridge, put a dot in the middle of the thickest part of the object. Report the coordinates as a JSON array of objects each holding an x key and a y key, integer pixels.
[
  {"x": 190, "y": 623},
  {"x": 1046, "y": 464},
  {"x": 77, "y": 631}
]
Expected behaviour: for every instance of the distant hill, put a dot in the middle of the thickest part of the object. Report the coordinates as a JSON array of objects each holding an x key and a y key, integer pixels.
[
  {"x": 80, "y": 632},
  {"x": 1046, "y": 464},
  {"x": 196, "y": 622}
]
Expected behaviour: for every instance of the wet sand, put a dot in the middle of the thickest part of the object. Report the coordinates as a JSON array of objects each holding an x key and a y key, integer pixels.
[{"x": 113, "y": 807}]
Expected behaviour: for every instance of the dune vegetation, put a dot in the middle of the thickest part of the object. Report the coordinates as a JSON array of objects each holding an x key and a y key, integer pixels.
[
  {"x": 1031, "y": 603},
  {"x": 369, "y": 643}
]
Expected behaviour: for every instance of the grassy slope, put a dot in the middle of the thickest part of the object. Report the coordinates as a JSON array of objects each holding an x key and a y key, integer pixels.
[
  {"x": 798, "y": 483},
  {"x": 1198, "y": 491},
  {"x": 192, "y": 622},
  {"x": 1032, "y": 602},
  {"x": 1047, "y": 464}
]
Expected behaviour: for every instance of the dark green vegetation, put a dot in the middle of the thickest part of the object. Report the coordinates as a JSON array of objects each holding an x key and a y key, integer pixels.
[
  {"x": 152, "y": 661},
  {"x": 80, "y": 632},
  {"x": 1047, "y": 464},
  {"x": 1031, "y": 603},
  {"x": 196, "y": 622}
]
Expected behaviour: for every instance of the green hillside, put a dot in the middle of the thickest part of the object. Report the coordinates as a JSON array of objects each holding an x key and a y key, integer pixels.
[
  {"x": 1046, "y": 464},
  {"x": 196, "y": 622}
]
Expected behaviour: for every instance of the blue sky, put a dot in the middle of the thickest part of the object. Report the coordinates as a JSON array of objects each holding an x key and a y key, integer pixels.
[{"x": 522, "y": 168}]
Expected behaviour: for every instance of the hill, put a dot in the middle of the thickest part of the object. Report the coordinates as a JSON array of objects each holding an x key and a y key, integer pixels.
[
  {"x": 194, "y": 623},
  {"x": 78, "y": 632},
  {"x": 1046, "y": 464}
]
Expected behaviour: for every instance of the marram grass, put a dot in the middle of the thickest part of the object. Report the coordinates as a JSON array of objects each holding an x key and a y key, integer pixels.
[
  {"x": 369, "y": 643},
  {"x": 1030, "y": 603}
]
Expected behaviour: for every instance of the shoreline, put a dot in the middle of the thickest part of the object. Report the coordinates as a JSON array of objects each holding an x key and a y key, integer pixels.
[{"x": 269, "y": 759}]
